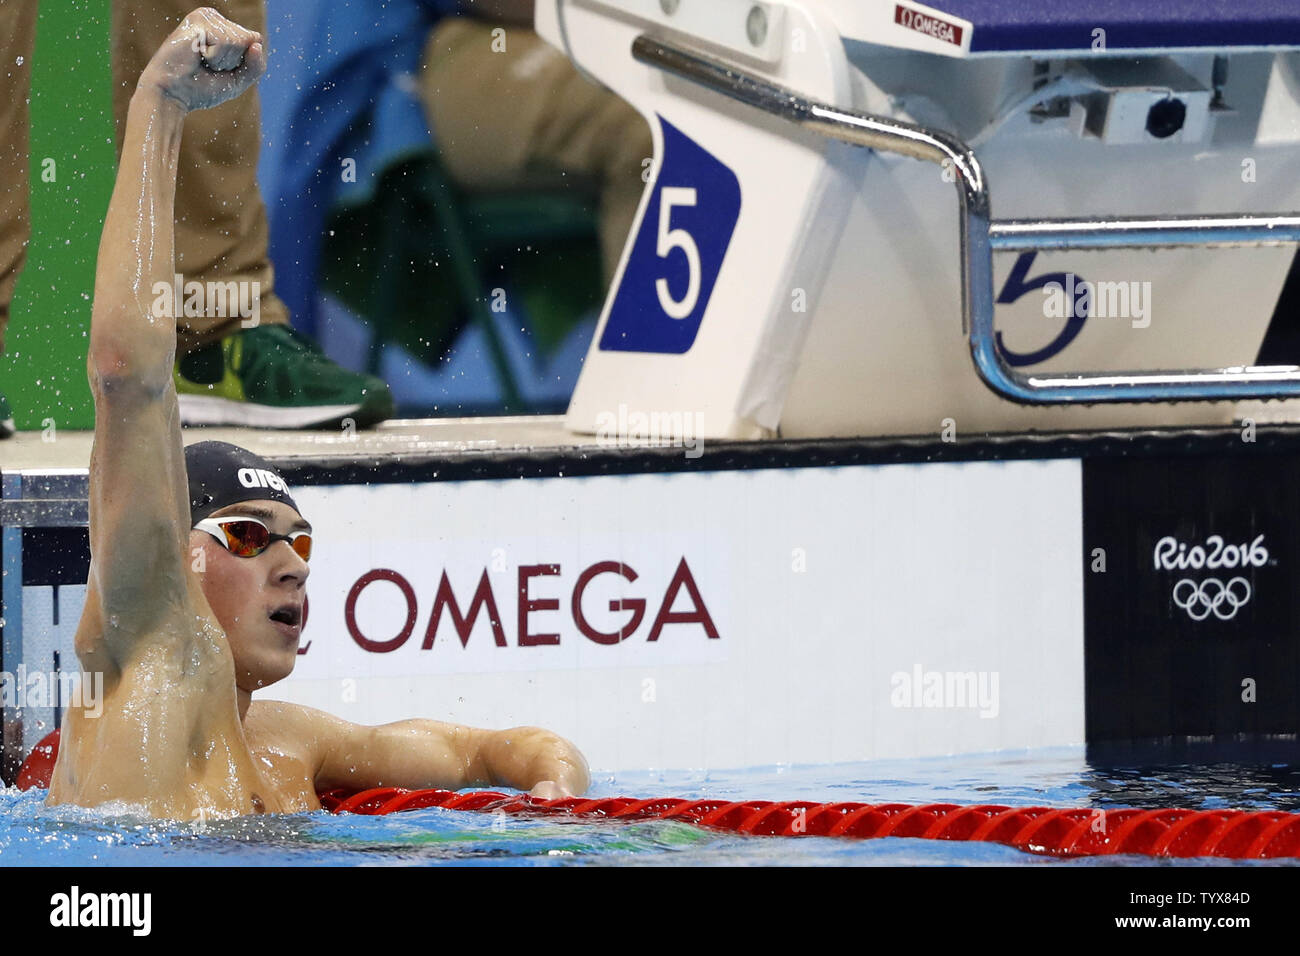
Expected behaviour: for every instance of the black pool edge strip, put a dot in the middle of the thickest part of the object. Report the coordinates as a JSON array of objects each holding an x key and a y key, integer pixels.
[{"x": 712, "y": 456}]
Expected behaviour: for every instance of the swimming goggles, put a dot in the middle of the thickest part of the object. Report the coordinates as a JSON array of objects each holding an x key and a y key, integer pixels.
[{"x": 248, "y": 537}]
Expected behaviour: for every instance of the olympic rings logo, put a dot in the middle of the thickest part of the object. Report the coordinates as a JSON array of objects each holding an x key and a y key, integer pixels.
[{"x": 1211, "y": 596}]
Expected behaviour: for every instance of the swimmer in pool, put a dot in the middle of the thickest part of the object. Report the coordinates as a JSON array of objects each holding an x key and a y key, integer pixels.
[{"x": 196, "y": 583}]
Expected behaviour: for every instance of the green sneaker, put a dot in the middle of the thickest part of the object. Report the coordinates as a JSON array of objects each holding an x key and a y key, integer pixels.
[
  {"x": 6, "y": 418},
  {"x": 272, "y": 376}
]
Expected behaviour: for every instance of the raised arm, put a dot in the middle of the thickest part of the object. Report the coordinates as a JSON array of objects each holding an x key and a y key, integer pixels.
[{"x": 139, "y": 510}]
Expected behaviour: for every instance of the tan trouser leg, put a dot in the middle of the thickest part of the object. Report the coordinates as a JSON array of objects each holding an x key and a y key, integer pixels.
[
  {"x": 499, "y": 116},
  {"x": 17, "y": 39},
  {"x": 221, "y": 229}
]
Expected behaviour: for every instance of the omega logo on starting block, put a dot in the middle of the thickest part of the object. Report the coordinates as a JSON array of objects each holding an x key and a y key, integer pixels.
[{"x": 928, "y": 24}]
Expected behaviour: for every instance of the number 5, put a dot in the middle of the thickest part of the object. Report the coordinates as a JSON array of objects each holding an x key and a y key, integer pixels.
[{"x": 670, "y": 239}]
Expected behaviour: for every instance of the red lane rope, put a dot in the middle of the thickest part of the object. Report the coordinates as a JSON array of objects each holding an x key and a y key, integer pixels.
[{"x": 1228, "y": 834}]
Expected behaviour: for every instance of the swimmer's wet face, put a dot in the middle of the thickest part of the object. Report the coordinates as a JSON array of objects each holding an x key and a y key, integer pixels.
[{"x": 258, "y": 600}]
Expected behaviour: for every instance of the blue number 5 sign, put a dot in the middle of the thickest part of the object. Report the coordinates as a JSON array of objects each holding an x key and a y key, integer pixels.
[
  {"x": 677, "y": 253},
  {"x": 1018, "y": 284}
]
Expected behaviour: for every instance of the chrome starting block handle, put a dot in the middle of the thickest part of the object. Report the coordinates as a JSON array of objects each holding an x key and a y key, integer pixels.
[{"x": 980, "y": 236}]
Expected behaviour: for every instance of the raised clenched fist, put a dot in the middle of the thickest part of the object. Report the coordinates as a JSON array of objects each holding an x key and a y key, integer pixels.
[{"x": 206, "y": 61}]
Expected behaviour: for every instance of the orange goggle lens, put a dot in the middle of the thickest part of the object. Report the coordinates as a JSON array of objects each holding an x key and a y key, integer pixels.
[{"x": 247, "y": 539}]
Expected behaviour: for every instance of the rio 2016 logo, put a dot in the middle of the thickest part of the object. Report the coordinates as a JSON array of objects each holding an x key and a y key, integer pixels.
[
  {"x": 1174, "y": 555},
  {"x": 1202, "y": 598}
]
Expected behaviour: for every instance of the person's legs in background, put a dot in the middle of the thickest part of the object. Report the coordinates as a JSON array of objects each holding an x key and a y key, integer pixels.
[
  {"x": 242, "y": 367},
  {"x": 497, "y": 117},
  {"x": 17, "y": 39}
]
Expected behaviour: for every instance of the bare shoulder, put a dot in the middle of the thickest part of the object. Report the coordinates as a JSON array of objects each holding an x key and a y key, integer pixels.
[
  {"x": 293, "y": 728},
  {"x": 280, "y": 716}
]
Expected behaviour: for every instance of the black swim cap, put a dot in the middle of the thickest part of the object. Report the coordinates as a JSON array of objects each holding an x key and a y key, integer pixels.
[{"x": 221, "y": 474}]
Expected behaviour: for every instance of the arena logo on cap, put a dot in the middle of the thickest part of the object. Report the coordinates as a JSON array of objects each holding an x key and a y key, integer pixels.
[{"x": 261, "y": 478}]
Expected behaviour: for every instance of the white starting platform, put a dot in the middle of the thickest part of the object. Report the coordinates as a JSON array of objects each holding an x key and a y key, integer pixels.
[{"x": 818, "y": 253}]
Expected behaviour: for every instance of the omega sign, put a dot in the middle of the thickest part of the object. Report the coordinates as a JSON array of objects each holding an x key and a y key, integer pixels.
[
  {"x": 926, "y": 23},
  {"x": 462, "y": 611}
]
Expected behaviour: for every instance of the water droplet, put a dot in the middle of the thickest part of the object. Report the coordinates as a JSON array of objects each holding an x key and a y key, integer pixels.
[{"x": 19, "y": 61}]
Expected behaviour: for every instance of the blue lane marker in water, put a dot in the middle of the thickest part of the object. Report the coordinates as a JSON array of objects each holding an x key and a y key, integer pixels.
[{"x": 677, "y": 253}]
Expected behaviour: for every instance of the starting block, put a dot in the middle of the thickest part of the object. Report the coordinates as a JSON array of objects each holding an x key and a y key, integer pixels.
[{"x": 875, "y": 217}]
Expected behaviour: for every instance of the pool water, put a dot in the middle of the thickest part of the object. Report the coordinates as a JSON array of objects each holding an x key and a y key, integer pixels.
[{"x": 33, "y": 834}]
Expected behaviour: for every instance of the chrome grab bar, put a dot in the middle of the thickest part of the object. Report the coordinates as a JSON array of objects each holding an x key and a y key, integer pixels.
[{"x": 980, "y": 236}]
